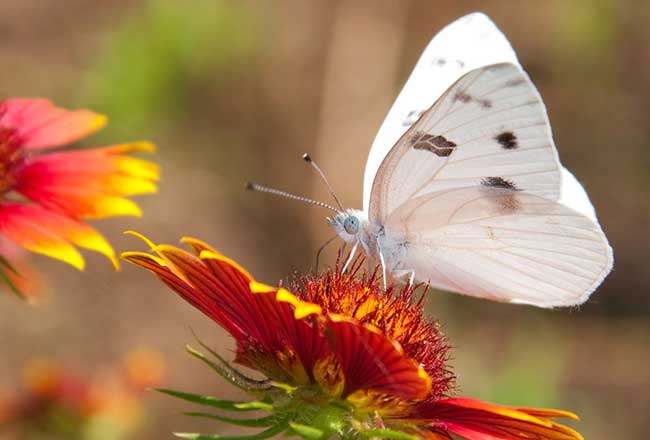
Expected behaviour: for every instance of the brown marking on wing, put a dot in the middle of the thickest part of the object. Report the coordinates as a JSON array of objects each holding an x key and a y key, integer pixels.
[
  {"x": 438, "y": 145},
  {"x": 503, "y": 192},
  {"x": 508, "y": 140},
  {"x": 466, "y": 98},
  {"x": 462, "y": 97}
]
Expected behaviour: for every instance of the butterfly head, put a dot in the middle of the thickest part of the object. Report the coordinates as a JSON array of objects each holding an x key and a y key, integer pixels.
[{"x": 348, "y": 224}]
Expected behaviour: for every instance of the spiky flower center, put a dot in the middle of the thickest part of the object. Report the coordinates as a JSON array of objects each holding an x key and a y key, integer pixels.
[{"x": 395, "y": 312}]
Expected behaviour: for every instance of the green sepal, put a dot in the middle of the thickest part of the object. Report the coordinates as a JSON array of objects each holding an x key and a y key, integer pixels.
[
  {"x": 387, "y": 433},
  {"x": 4, "y": 276},
  {"x": 252, "y": 423},
  {"x": 272, "y": 431},
  {"x": 225, "y": 370},
  {"x": 209, "y": 400},
  {"x": 253, "y": 406},
  {"x": 283, "y": 386},
  {"x": 306, "y": 432}
]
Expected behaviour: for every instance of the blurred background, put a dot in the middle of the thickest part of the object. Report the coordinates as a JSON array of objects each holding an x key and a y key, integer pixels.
[{"x": 232, "y": 91}]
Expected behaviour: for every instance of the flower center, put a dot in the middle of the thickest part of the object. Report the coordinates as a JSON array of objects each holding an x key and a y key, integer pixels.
[{"x": 11, "y": 157}]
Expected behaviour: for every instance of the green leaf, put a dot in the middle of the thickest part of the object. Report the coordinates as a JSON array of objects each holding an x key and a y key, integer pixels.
[
  {"x": 7, "y": 280},
  {"x": 273, "y": 430},
  {"x": 387, "y": 433},
  {"x": 253, "y": 423},
  {"x": 211, "y": 401},
  {"x": 4, "y": 262},
  {"x": 306, "y": 432}
]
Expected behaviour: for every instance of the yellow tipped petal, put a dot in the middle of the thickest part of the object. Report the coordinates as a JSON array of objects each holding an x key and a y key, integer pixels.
[
  {"x": 130, "y": 186},
  {"x": 261, "y": 287},
  {"x": 199, "y": 245},
  {"x": 63, "y": 252},
  {"x": 136, "y": 234},
  {"x": 210, "y": 255},
  {"x": 131, "y": 255},
  {"x": 114, "y": 206},
  {"x": 135, "y": 147},
  {"x": 301, "y": 308},
  {"x": 88, "y": 238},
  {"x": 98, "y": 123},
  {"x": 135, "y": 167}
]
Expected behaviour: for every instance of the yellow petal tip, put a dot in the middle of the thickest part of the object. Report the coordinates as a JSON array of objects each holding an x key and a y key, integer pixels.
[
  {"x": 257, "y": 287},
  {"x": 136, "y": 234},
  {"x": 302, "y": 308}
]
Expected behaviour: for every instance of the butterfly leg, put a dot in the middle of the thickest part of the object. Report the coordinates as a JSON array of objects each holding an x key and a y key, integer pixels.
[
  {"x": 351, "y": 257},
  {"x": 404, "y": 274},
  {"x": 411, "y": 278},
  {"x": 383, "y": 265},
  {"x": 320, "y": 250}
]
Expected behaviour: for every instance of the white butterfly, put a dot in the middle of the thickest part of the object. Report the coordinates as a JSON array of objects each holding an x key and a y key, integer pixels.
[{"x": 463, "y": 186}]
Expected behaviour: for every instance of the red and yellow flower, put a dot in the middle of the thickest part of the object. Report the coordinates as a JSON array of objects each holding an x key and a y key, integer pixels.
[
  {"x": 343, "y": 358},
  {"x": 59, "y": 402},
  {"x": 45, "y": 195}
]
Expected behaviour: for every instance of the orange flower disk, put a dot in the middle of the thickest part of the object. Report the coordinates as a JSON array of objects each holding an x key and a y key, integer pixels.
[
  {"x": 340, "y": 334},
  {"x": 45, "y": 195}
]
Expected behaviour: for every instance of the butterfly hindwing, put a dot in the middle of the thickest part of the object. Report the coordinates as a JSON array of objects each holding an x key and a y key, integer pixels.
[{"x": 502, "y": 244}]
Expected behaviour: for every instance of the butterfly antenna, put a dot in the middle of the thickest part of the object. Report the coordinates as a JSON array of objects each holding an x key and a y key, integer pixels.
[
  {"x": 307, "y": 158},
  {"x": 259, "y": 188}
]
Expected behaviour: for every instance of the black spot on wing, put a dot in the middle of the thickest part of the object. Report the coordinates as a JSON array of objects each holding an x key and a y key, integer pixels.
[
  {"x": 466, "y": 98},
  {"x": 438, "y": 145},
  {"x": 462, "y": 97},
  {"x": 499, "y": 182},
  {"x": 502, "y": 194},
  {"x": 485, "y": 103},
  {"x": 508, "y": 140}
]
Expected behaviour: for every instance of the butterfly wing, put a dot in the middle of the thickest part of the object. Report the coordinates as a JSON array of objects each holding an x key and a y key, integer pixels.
[
  {"x": 473, "y": 198},
  {"x": 470, "y": 42},
  {"x": 501, "y": 244},
  {"x": 490, "y": 125}
]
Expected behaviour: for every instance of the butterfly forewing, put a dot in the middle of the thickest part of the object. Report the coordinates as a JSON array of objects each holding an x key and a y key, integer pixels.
[
  {"x": 470, "y": 42},
  {"x": 490, "y": 127},
  {"x": 501, "y": 244}
]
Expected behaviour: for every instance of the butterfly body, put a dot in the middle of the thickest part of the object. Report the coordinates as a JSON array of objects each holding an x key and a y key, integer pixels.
[{"x": 464, "y": 188}]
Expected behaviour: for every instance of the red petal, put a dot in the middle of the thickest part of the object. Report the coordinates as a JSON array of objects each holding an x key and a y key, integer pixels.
[
  {"x": 371, "y": 361},
  {"x": 39, "y": 124},
  {"x": 87, "y": 183},
  {"x": 220, "y": 288},
  {"x": 477, "y": 420},
  {"x": 49, "y": 233}
]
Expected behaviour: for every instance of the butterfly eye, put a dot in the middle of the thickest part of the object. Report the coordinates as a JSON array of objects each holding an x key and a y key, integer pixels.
[{"x": 351, "y": 225}]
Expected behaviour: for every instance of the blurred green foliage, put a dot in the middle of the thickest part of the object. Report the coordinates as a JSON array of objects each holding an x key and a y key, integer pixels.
[
  {"x": 589, "y": 28},
  {"x": 533, "y": 366},
  {"x": 148, "y": 61}
]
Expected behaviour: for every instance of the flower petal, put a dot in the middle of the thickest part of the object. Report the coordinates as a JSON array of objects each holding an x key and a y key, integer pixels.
[
  {"x": 88, "y": 183},
  {"x": 39, "y": 124},
  {"x": 267, "y": 335},
  {"x": 371, "y": 361},
  {"x": 477, "y": 420},
  {"x": 42, "y": 231}
]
